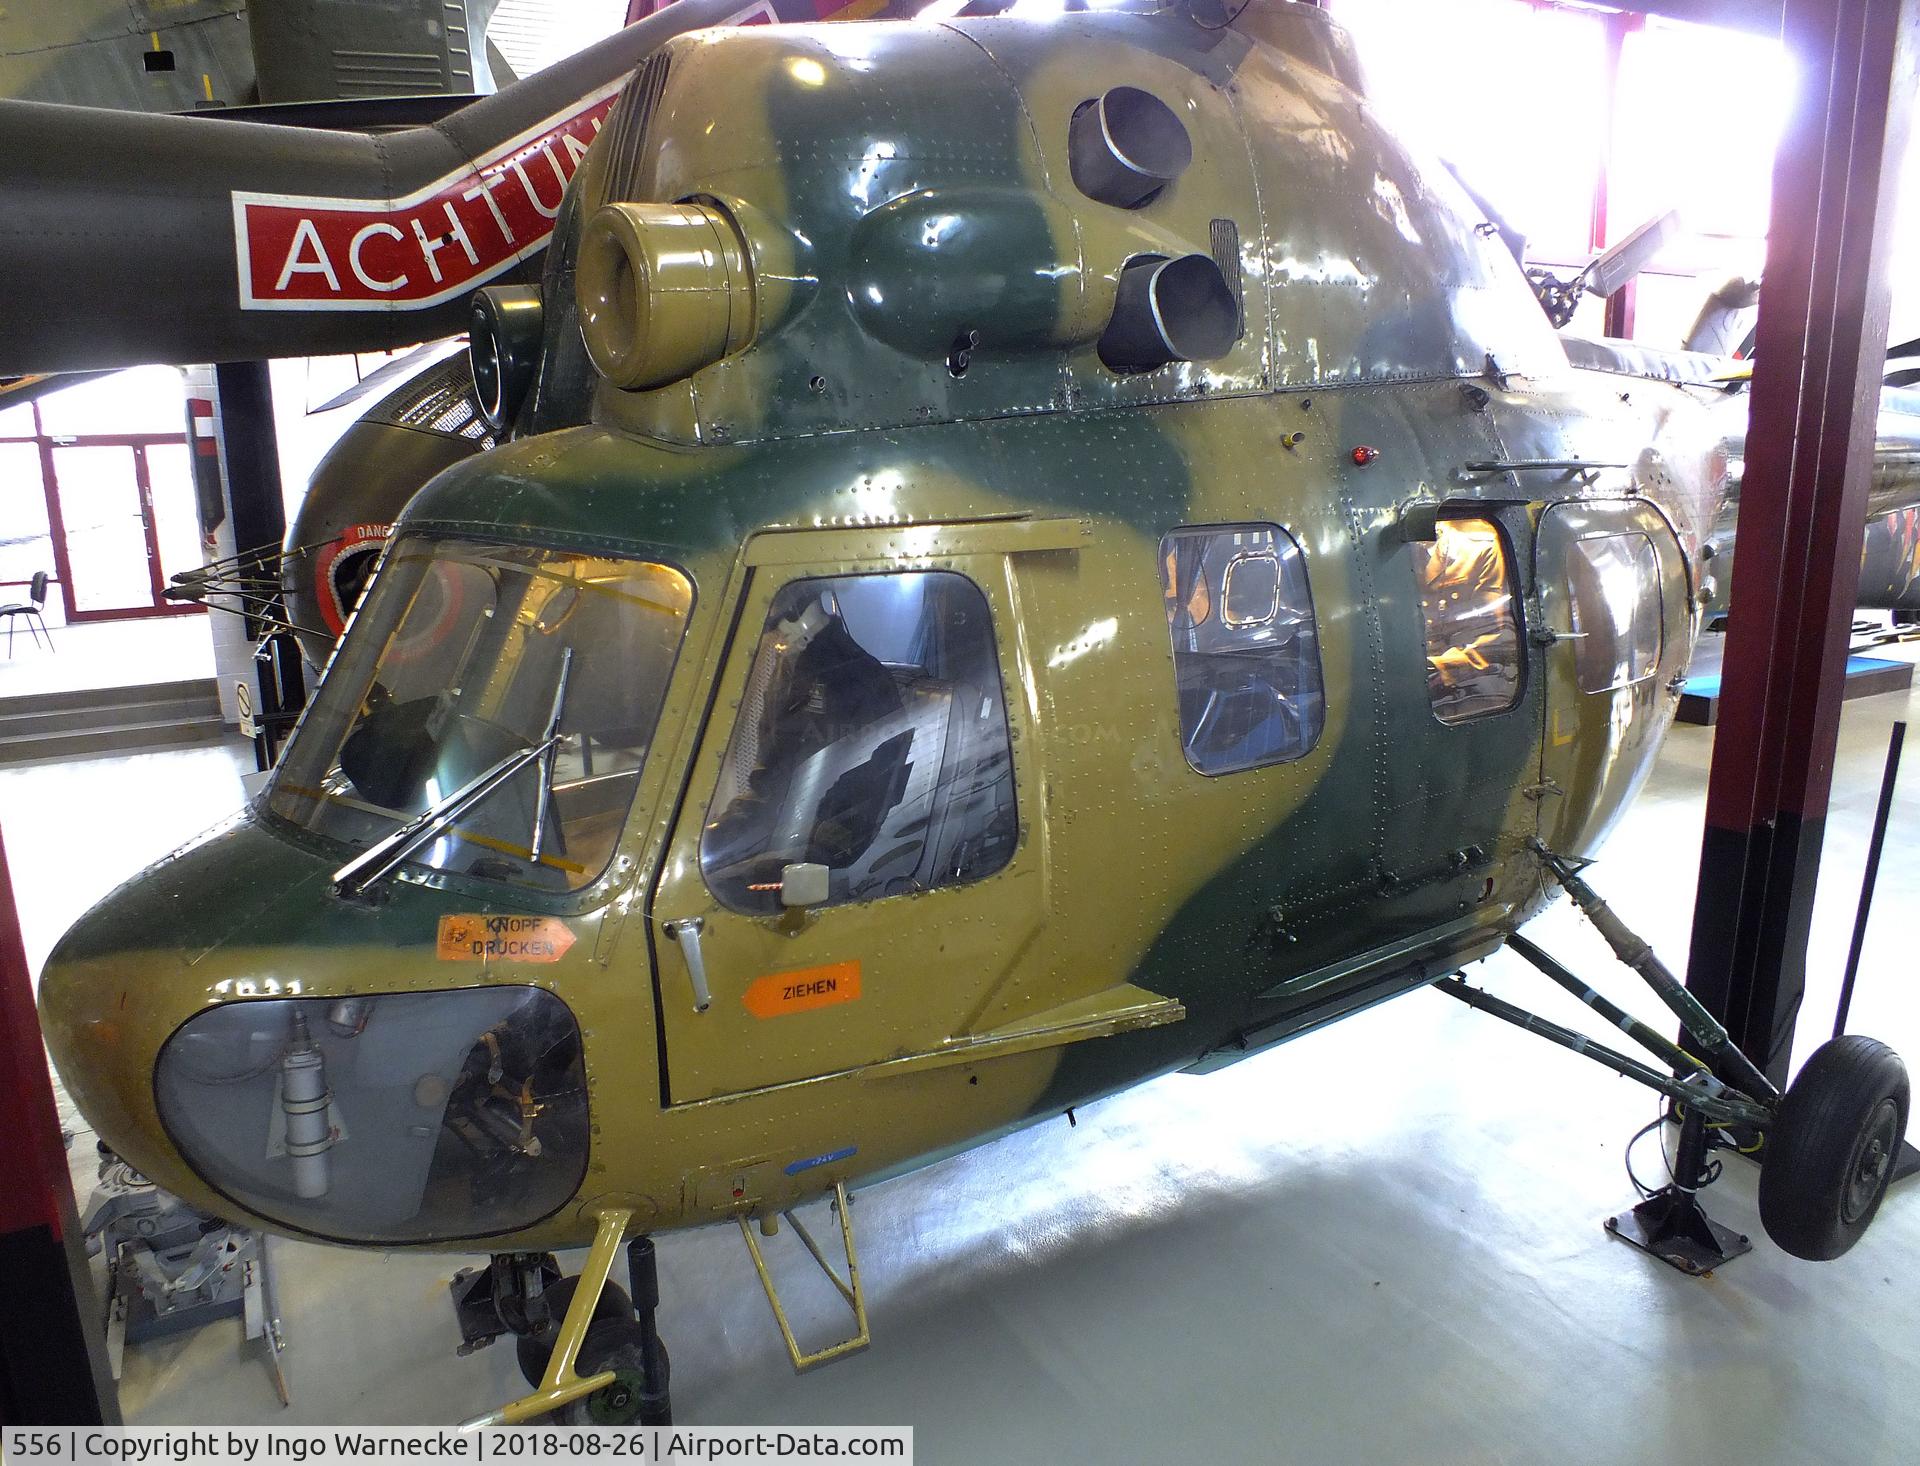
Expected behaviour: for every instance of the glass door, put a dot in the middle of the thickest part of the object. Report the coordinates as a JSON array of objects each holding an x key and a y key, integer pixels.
[
  {"x": 129, "y": 521},
  {"x": 103, "y": 513},
  {"x": 175, "y": 510}
]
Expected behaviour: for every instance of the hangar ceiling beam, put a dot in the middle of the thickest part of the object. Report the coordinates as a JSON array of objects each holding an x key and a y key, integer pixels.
[{"x": 1824, "y": 308}]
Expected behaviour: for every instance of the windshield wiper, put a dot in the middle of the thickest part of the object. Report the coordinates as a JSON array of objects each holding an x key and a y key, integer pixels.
[
  {"x": 545, "y": 797},
  {"x": 380, "y": 860}
]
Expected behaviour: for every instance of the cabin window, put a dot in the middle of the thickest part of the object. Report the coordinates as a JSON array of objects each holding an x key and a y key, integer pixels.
[
  {"x": 1466, "y": 590},
  {"x": 1246, "y": 657},
  {"x": 1615, "y": 584},
  {"x": 871, "y": 739}
]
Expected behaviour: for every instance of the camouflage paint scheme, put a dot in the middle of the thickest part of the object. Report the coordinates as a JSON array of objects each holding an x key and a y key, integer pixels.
[{"x": 1152, "y": 919}]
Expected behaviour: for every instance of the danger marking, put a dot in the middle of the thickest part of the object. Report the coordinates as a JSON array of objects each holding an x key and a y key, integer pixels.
[
  {"x": 779, "y": 993},
  {"x": 503, "y": 939},
  {"x": 300, "y": 253}
]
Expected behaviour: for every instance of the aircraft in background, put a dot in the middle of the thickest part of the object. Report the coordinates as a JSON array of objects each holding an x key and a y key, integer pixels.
[
  {"x": 1718, "y": 348},
  {"x": 1890, "y": 547}
]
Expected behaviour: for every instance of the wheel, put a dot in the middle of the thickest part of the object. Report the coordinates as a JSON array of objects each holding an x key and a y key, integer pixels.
[
  {"x": 618, "y": 1344},
  {"x": 1830, "y": 1153},
  {"x": 535, "y": 1350}
]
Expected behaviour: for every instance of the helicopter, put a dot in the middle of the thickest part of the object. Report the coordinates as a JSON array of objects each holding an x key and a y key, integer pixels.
[{"x": 965, "y": 620}]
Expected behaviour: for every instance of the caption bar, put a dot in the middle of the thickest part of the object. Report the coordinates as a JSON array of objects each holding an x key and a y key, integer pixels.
[{"x": 670, "y": 1445}]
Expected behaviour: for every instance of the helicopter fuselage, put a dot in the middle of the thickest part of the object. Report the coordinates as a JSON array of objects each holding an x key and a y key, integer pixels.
[{"x": 925, "y": 727}]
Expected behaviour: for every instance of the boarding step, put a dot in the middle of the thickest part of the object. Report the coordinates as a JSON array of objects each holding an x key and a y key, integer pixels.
[{"x": 109, "y": 720}]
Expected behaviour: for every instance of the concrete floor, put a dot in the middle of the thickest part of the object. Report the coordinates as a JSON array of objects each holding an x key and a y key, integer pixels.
[
  {"x": 1379, "y": 1243},
  {"x": 93, "y": 654}
]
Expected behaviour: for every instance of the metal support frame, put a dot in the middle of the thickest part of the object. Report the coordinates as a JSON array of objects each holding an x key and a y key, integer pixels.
[
  {"x": 1701, "y": 1025},
  {"x": 172, "y": 1268},
  {"x": 1876, "y": 843},
  {"x": 643, "y": 1282},
  {"x": 1681, "y": 1061},
  {"x": 1824, "y": 308},
  {"x": 848, "y": 1288},
  {"x": 1670, "y": 1224}
]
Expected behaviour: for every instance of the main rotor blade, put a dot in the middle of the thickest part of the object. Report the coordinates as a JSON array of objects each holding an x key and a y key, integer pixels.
[{"x": 1618, "y": 264}]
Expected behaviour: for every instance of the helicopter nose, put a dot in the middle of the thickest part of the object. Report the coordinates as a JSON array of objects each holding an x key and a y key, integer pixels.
[
  {"x": 140, "y": 963},
  {"x": 103, "y": 1018}
]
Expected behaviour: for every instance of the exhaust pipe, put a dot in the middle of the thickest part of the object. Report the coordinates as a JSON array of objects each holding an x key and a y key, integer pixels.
[{"x": 131, "y": 238}]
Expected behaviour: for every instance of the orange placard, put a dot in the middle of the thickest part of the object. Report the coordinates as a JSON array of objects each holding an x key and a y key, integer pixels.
[
  {"x": 503, "y": 939},
  {"x": 780, "y": 993}
]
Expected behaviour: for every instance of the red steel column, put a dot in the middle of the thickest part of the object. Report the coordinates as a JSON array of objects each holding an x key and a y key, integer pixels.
[
  {"x": 1816, "y": 388},
  {"x": 53, "y": 1364}
]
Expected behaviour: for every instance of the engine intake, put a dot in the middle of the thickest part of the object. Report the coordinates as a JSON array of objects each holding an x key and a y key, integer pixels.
[{"x": 663, "y": 290}]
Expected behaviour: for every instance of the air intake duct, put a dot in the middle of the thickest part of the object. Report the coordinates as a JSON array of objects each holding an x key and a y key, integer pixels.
[
  {"x": 504, "y": 334},
  {"x": 1124, "y": 146},
  {"x": 664, "y": 290},
  {"x": 1165, "y": 310}
]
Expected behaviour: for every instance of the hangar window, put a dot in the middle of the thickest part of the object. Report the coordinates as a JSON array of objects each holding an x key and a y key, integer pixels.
[
  {"x": 1467, "y": 608},
  {"x": 1246, "y": 656},
  {"x": 1615, "y": 580},
  {"x": 872, "y": 740}
]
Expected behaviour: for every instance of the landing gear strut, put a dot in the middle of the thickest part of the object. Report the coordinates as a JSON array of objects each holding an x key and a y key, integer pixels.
[
  {"x": 653, "y": 1405},
  {"x": 1830, "y": 1141},
  {"x": 592, "y": 1355}
]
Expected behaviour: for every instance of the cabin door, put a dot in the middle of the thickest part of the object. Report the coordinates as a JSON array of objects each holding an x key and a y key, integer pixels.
[
  {"x": 1613, "y": 599},
  {"x": 846, "y": 882}
]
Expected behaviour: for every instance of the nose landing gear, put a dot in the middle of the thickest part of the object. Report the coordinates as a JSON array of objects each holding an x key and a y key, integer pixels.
[{"x": 592, "y": 1355}]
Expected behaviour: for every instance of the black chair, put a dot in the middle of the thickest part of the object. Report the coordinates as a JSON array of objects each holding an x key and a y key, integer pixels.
[{"x": 30, "y": 608}]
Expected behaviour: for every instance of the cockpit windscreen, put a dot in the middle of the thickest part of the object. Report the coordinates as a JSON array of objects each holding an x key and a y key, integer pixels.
[{"x": 465, "y": 657}]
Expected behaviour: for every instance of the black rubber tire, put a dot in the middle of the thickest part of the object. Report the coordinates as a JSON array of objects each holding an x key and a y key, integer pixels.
[
  {"x": 1831, "y": 1151},
  {"x": 618, "y": 1345},
  {"x": 534, "y": 1351}
]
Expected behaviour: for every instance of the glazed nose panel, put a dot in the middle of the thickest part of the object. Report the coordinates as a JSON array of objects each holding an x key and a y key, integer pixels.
[{"x": 393, "y": 1118}]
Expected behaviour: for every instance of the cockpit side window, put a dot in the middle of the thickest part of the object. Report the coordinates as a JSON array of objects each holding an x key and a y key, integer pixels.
[
  {"x": 1467, "y": 607},
  {"x": 1615, "y": 580},
  {"x": 871, "y": 739},
  {"x": 1246, "y": 654}
]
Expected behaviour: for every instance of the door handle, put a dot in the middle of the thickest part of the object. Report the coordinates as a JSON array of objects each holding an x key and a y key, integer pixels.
[{"x": 686, "y": 931}]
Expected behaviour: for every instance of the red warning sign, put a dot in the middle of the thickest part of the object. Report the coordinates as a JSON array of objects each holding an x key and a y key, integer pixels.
[{"x": 299, "y": 253}]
